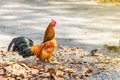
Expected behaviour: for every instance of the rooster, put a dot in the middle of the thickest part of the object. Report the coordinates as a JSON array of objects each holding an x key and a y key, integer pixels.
[{"x": 26, "y": 47}]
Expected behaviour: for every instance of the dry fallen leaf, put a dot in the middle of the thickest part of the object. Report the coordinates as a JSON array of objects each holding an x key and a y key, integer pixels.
[
  {"x": 69, "y": 70},
  {"x": 11, "y": 78},
  {"x": 51, "y": 70},
  {"x": 2, "y": 71},
  {"x": 60, "y": 46},
  {"x": 43, "y": 74},
  {"x": 76, "y": 77},
  {"x": 58, "y": 73},
  {"x": 3, "y": 78},
  {"x": 37, "y": 67},
  {"x": 61, "y": 78},
  {"x": 60, "y": 67},
  {"x": 63, "y": 66},
  {"x": 20, "y": 70}
]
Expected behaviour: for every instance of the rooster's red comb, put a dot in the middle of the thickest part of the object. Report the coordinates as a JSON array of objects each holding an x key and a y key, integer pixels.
[{"x": 53, "y": 22}]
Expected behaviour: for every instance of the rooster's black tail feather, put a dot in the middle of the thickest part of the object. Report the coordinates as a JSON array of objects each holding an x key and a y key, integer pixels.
[{"x": 22, "y": 45}]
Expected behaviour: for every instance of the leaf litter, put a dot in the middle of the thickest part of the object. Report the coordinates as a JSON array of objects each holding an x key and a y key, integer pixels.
[{"x": 68, "y": 63}]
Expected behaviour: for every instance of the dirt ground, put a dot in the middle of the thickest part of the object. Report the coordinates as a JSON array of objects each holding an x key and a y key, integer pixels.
[
  {"x": 79, "y": 23},
  {"x": 83, "y": 23}
]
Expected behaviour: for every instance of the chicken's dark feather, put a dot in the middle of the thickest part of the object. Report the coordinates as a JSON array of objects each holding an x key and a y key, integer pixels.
[{"x": 22, "y": 46}]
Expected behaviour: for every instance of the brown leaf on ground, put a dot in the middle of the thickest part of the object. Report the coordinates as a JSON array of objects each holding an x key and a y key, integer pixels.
[
  {"x": 67, "y": 63},
  {"x": 69, "y": 70},
  {"x": 59, "y": 73}
]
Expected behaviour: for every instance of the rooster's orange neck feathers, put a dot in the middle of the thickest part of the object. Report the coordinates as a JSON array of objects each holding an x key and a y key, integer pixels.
[{"x": 50, "y": 33}]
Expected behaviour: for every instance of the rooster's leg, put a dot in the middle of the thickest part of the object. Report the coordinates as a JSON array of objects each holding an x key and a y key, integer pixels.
[{"x": 44, "y": 64}]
